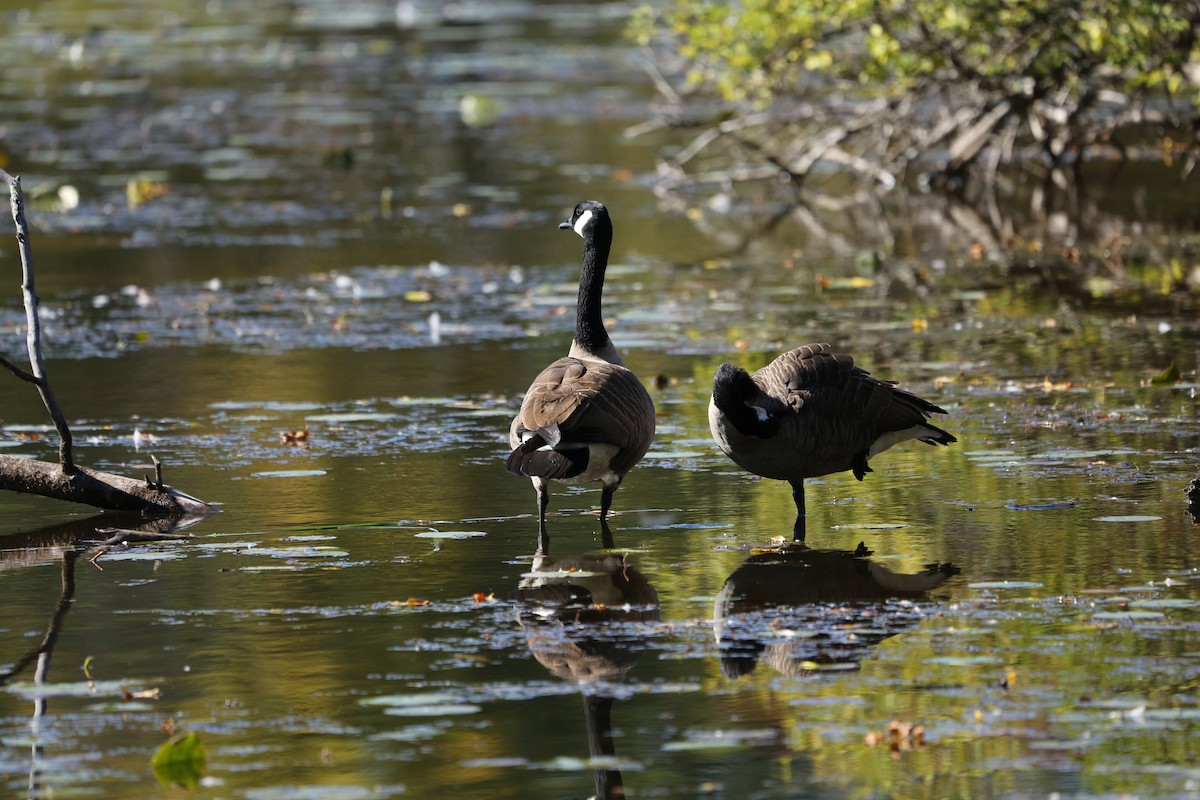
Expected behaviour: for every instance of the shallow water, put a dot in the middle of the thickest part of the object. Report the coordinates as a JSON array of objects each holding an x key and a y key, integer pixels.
[{"x": 365, "y": 618}]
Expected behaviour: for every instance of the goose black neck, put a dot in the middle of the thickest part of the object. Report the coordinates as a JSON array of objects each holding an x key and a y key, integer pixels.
[{"x": 589, "y": 318}]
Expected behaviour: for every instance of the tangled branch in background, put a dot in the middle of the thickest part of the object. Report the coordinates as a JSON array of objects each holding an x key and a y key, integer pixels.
[{"x": 934, "y": 92}]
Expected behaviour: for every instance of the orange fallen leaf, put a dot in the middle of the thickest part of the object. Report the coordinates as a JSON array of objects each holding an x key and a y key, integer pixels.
[{"x": 294, "y": 437}]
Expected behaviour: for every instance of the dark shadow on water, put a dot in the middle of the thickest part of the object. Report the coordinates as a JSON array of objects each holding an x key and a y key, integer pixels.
[
  {"x": 583, "y": 617},
  {"x": 804, "y": 611}
]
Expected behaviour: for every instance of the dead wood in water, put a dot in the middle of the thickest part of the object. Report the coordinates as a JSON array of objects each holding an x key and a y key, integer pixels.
[
  {"x": 66, "y": 480},
  {"x": 100, "y": 489}
]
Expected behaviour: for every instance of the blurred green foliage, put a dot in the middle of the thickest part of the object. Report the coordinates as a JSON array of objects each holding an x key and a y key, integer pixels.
[{"x": 758, "y": 49}]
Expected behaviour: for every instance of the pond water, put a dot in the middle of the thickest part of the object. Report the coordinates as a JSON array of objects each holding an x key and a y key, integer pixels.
[{"x": 341, "y": 218}]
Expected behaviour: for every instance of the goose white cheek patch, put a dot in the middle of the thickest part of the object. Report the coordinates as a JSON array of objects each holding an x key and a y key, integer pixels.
[{"x": 583, "y": 221}]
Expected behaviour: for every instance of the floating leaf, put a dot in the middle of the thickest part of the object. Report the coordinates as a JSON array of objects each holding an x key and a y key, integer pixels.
[
  {"x": 299, "y": 551},
  {"x": 180, "y": 761},
  {"x": 289, "y": 473},
  {"x": 442, "y": 710},
  {"x": 1005, "y": 585},
  {"x": 450, "y": 534},
  {"x": 965, "y": 661},
  {"x": 420, "y": 699},
  {"x": 1041, "y": 506},
  {"x": 1166, "y": 602},
  {"x": 1128, "y": 518},
  {"x": 1168, "y": 376}
]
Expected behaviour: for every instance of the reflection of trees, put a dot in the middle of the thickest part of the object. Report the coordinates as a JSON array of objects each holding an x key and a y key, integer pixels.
[
  {"x": 581, "y": 616},
  {"x": 801, "y": 610}
]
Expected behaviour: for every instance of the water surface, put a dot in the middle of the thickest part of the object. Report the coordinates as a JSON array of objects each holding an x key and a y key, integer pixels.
[{"x": 320, "y": 235}]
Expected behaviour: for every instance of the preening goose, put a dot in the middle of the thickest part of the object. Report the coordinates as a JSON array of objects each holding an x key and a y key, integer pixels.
[
  {"x": 812, "y": 412},
  {"x": 585, "y": 418}
]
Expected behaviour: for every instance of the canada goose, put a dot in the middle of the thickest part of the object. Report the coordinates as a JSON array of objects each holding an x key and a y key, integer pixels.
[
  {"x": 812, "y": 412},
  {"x": 586, "y": 417}
]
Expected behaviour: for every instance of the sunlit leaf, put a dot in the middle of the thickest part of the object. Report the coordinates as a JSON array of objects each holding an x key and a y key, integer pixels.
[
  {"x": 180, "y": 761},
  {"x": 289, "y": 473},
  {"x": 1168, "y": 376},
  {"x": 1128, "y": 518}
]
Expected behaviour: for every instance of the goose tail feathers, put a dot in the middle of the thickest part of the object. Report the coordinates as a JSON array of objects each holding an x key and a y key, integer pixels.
[{"x": 536, "y": 457}]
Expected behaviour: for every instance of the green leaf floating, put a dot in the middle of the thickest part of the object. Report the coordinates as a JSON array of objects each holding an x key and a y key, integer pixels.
[
  {"x": 1168, "y": 376},
  {"x": 180, "y": 761}
]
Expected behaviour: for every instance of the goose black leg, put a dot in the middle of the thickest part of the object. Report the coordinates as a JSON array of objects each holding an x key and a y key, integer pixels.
[
  {"x": 606, "y": 496},
  {"x": 798, "y": 497},
  {"x": 606, "y": 537},
  {"x": 543, "y": 500}
]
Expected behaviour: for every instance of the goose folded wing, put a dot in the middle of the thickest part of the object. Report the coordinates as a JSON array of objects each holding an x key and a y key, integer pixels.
[{"x": 590, "y": 402}]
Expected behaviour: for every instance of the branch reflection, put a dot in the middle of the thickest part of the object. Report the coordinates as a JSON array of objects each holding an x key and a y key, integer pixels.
[
  {"x": 803, "y": 611},
  {"x": 583, "y": 616},
  {"x": 66, "y": 542}
]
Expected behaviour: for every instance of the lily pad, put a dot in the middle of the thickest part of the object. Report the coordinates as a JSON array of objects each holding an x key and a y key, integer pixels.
[
  {"x": 1128, "y": 518},
  {"x": 290, "y": 473}
]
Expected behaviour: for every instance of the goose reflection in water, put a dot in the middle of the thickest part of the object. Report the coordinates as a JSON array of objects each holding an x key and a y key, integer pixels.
[
  {"x": 583, "y": 616},
  {"x": 803, "y": 611}
]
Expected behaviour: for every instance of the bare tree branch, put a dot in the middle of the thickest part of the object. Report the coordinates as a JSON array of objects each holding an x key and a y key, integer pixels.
[{"x": 33, "y": 333}]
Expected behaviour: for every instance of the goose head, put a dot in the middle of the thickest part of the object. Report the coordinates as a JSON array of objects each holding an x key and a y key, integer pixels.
[
  {"x": 738, "y": 397},
  {"x": 589, "y": 218},
  {"x": 733, "y": 387}
]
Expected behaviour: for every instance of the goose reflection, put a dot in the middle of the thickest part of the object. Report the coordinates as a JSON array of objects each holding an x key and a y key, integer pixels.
[
  {"x": 802, "y": 610},
  {"x": 582, "y": 618}
]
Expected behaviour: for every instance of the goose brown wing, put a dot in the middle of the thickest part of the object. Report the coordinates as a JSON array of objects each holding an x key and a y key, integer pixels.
[
  {"x": 831, "y": 387},
  {"x": 591, "y": 401},
  {"x": 807, "y": 376}
]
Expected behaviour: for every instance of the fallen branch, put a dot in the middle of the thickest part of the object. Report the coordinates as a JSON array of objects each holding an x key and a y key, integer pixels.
[
  {"x": 93, "y": 488},
  {"x": 65, "y": 480},
  {"x": 33, "y": 331}
]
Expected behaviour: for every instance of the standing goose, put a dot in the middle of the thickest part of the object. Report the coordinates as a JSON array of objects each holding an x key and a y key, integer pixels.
[
  {"x": 585, "y": 418},
  {"x": 812, "y": 412}
]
